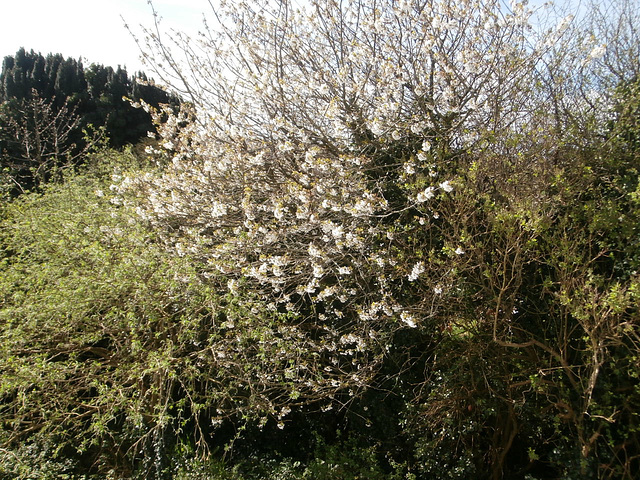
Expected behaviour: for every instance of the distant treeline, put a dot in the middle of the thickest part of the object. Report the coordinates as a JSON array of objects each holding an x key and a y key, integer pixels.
[{"x": 68, "y": 98}]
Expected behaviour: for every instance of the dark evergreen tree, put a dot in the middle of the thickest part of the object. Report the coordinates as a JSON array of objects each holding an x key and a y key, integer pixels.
[
  {"x": 97, "y": 96},
  {"x": 52, "y": 63}
]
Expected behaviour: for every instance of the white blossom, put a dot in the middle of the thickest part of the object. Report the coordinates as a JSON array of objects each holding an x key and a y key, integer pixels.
[
  {"x": 425, "y": 195},
  {"x": 596, "y": 53},
  {"x": 278, "y": 212},
  {"x": 314, "y": 251},
  {"x": 417, "y": 269},
  {"x": 446, "y": 186},
  {"x": 408, "y": 319},
  {"x": 218, "y": 209},
  {"x": 318, "y": 271}
]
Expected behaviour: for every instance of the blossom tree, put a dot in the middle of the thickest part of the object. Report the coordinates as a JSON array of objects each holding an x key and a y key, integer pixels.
[
  {"x": 339, "y": 165},
  {"x": 321, "y": 156}
]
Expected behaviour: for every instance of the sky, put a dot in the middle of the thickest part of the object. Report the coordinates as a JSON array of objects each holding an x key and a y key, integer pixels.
[
  {"x": 95, "y": 29},
  {"x": 91, "y": 29}
]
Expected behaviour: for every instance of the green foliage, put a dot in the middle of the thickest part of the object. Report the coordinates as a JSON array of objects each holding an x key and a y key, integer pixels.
[
  {"x": 134, "y": 343},
  {"x": 93, "y": 316},
  {"x": 346, "y": 459},
  {"x": 115, "y": 352}
]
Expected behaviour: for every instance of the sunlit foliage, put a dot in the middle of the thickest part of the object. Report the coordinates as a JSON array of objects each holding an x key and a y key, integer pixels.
[{"x": 393, "y": 238}]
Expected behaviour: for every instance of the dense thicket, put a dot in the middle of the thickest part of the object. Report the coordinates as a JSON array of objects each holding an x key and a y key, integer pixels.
[
  {"x": 392, "y": 241},
  {"x": 48, "y": 102}
]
